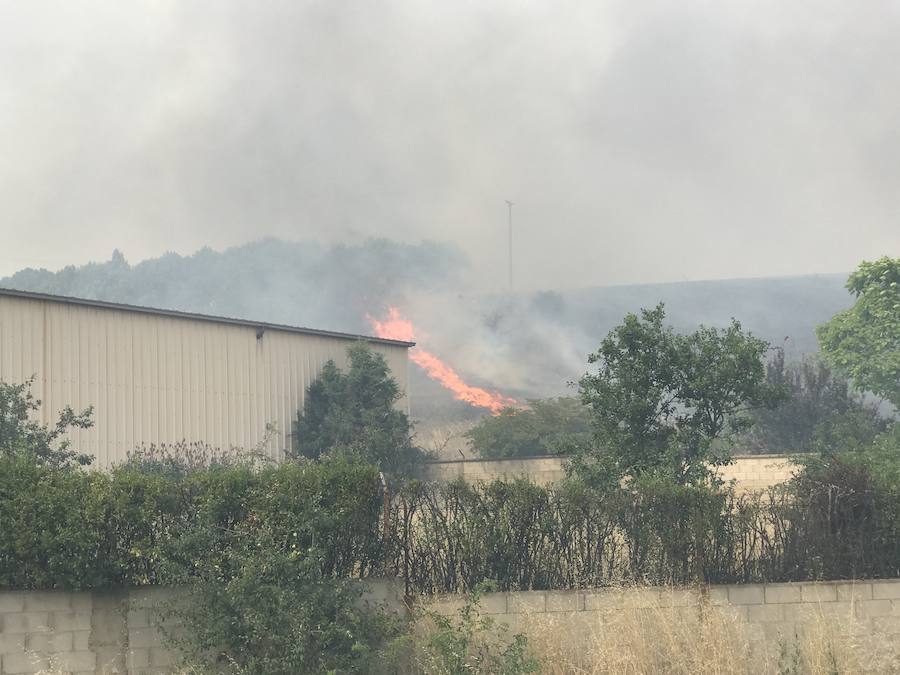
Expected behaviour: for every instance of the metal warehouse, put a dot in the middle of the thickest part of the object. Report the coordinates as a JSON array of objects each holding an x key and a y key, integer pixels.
[{"x": 158, "y": 376}]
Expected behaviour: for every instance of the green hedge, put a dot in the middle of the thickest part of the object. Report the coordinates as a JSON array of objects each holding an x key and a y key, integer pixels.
[
  {"x": 139, "y": 525},
  {"x": 157, "y": 523}
]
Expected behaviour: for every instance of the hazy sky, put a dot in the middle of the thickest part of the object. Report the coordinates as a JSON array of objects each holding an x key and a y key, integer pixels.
[{"x": 641, "y": 141}]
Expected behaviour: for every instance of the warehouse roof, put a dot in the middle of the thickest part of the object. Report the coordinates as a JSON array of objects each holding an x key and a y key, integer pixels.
[{"x": 101, "y": 304}]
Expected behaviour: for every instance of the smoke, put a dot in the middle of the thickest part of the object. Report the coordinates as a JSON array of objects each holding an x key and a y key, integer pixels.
[
  {"x": 522, "y": 345},
  {"x": 640, "y": 141}
]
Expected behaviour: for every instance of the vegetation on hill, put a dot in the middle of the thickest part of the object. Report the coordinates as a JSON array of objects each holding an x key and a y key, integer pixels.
[
  {"x": 822, "y": 411},
  {"x": 489, "y": 337},
  {"x": 544, "y": 427}
]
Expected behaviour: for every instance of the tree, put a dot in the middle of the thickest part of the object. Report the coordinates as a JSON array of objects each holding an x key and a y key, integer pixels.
[
  {"x": 661, "y": 400},
  {"x": 353, "y": 414},
  {"x": 821, "y": 414},
  {"x": 546, "y": 427},
  {"x": 863, "y": 342},
  {"x": 20, "y": 435}
]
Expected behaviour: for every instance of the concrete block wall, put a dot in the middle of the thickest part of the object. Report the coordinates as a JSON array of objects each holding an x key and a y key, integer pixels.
[
  {"x": 118, "y": 632},
  {"x": 863, "y": 615},
  {"x": 79, "y": 633},
  {"x": 750, "y": 473}
]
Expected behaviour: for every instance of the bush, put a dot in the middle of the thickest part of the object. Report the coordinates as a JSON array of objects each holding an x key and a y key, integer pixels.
[
  {"x": 472, "y": 643},
  {"x": 546, "y": 427},
  {"x": 266, "y": 605},
  {"x": 54, "y": 525}
]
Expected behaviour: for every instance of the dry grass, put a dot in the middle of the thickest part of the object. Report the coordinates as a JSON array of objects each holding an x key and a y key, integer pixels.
[{"x": 702, "y": 639}]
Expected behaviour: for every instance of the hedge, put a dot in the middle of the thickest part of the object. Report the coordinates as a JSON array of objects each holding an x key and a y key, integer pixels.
[{"x": 154, "y": 524}]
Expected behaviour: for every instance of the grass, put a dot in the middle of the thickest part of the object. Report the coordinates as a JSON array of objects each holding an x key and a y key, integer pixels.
[{"x": 658, "y": 637}]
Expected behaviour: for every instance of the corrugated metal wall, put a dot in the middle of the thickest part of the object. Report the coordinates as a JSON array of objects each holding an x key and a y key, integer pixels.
[{"x": 161, "y": 379}]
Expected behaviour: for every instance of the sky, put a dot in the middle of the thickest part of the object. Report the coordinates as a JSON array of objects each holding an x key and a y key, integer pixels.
[{"x": 640, "y": 141}]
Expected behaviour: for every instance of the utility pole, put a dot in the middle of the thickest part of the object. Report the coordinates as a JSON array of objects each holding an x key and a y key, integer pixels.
[{"x": 509, "y": 206}]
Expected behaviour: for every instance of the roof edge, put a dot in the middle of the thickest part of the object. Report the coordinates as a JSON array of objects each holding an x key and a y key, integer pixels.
[{"x": 210, "y": 318}]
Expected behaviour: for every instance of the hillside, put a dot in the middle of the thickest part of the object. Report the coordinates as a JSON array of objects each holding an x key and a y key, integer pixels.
[{"x": 526, "y": 344}]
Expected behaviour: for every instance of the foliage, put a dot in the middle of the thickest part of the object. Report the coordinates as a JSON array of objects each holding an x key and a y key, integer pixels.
[
  {"x": 302, "y": 283},
  {"x": 157, "y": 524},
  {"x": 54, "y": 526},
  {"x": 821, "y": 414},
  {"x": 863, "y": 342},
  {"x": 574, "y": 536},
  {"x": 844, "y": 518},
  {"x": 473, "y": 643},
  {"x": 546, "y": 427},
  {"x": 265, "y": 605},
  {"x": 353, "y": 415},
  {"x": 661, "y": 400},
  {"x": 140, "y": 525},
  {"x": 22, "y": 435}
]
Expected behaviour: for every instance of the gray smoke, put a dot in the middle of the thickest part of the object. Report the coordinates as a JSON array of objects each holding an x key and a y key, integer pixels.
[{"x": 640, "y": 141}]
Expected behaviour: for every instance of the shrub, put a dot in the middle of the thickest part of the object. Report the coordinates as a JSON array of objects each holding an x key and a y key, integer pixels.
[
  {"x": 546, "y": 427},
  {"x": 266, "y": 605}
]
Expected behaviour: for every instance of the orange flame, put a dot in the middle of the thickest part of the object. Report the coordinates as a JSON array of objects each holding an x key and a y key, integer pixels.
[{"x": 395, "y": 327}]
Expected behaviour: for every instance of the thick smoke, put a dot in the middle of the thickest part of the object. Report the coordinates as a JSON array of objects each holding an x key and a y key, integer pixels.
[
  {"x": 641, "y": 141},
  {"x": 524, "y": 345}
]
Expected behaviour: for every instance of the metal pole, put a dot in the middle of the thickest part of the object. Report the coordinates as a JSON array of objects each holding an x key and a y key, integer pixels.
[{"x": 509, "y": 205}]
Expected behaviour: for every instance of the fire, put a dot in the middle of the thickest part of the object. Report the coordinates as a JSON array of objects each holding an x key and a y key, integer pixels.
[{"x": 395, "y": 327}]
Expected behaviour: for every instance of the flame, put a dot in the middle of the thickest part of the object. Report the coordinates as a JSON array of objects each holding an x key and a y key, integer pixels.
[{"x": 395, "y": 327}]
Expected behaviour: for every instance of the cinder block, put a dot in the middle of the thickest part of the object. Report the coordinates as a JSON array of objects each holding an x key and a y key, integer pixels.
[
  {"x": 886, "y": 590},
  {"x": 679, "y": 597},
  {"x": 714, "y": 595},
  {"x": 446, "y": 605},
  {"x": 143, "y": 637},
  {"x": 494, "y": 603},
  {"x": 111, "y": 659},
  {"x": 888, "y": 625},
  {"x": 765, "y": 613},
  {"x": 160, "y": 657},
  {"x": 109, "y": 601},
  {"x": 81, "y": 640},
  {"x": 781, "y": 593},
  {"x": 821, "y": 592},
  {"x": 66, "y": 621},
  {"x": 755, "y": 631},
  {"x": 854, "y": 591},
  {"x": 137, "y": 658},
  {"x": 49, "y": 642},
  {"x": 782, "y": 630},
  {"x": 47, "y": 601},
  {"x": 565, "y": 601},
  {"x": 24, "y": 663},
  {"x": 108, "y": 627},
  {"x": 11, "y": 601},
  {"x": 138, "y": 618},
  {"x": 69, "y": 661},
  {"x": 527, "y": 602},
  {"x": 603, "y": 599},
  {"x": 870, "y": 608},
  {"x": 12, "y": 643},
  {"x": 749, "y": 594},
  {"x": 82, "y": 602},
  {"x": 641, "y": 598},
  {"x": 26, "y": 622}
]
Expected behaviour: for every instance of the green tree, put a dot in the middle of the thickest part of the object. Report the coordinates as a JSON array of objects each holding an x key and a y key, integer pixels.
[
  {"x": 662, "y": 400},
  {"x": 546, "y": 427},
  {"x": 863, "y": 342},
  {"x": 353, "y": 415},
  {"x": 21, "y": 435},
  {"x": 821, "y": 414}
]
